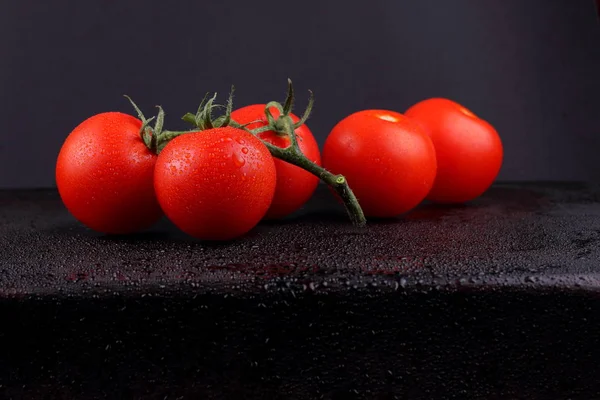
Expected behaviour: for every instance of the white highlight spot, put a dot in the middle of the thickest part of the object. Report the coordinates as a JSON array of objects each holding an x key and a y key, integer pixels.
[{"x": 387, "y": 117}]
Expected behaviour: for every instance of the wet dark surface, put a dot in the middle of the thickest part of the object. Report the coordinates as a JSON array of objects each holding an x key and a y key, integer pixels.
[
  {"x": 497, "y": 300},
  {"x": 516, "y": 235}
]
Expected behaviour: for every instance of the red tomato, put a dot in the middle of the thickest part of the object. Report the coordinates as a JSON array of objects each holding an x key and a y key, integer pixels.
[
  {"x": 104, "y": 175},
  {"x": 469, "y": 151},
  {"x": 294, "y": 185},
  {"x": 215, "y": 184},
  {"x": 388, "y": 160}
]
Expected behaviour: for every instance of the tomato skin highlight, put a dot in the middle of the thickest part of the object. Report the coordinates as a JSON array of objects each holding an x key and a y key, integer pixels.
[
  {"x": 388, "y": 160},
  {"x": 104, "y": 175},
  {"x": 295, "y": 185},
  {"x": 215, "y": 184},
  {"x": 468, "y": 149}
]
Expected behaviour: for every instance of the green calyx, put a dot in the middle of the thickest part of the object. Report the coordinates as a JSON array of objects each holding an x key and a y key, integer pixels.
[
  {"x": 203, "y": 119},
  {"x": 278, "y": 125},
  {"x": 154, "y": 137}
]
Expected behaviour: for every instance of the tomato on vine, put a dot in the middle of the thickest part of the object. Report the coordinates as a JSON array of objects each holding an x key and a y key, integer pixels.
[{"x": 215, "y": 184}]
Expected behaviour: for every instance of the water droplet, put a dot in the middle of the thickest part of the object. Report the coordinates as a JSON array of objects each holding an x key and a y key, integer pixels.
[
  {"x": 238, "y": 160},
  {"x": 245, "y": 150},
  {"x": 240, "y": 140},
  {"x": 228, "y": 139}
]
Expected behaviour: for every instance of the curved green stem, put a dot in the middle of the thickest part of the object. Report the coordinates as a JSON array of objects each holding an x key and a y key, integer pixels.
[
  {"x": 289, "y": 99},
  {"x": 336, "y": 182},
  {"x": 146, "y": 132},
  {"x": 309, "y": 107},
  {"x": 293, "y": 155}
]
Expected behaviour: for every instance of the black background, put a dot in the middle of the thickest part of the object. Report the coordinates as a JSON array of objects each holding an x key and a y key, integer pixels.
[{"x": 531, "y": 68}]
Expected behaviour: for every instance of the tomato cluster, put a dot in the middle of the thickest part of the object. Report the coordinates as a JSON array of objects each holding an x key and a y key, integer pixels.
[{"x": 118, "y": 175}]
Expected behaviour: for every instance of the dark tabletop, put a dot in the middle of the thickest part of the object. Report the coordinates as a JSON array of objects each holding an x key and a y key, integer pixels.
[
  {"x": 515, "y": 235},
  {"x": 497, "y": 299}
]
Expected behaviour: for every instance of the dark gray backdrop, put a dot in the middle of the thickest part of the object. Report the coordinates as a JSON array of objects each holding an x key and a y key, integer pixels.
[{"x": 531, "y": 67}]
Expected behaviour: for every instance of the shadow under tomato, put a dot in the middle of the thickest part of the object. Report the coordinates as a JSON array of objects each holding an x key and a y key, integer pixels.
[
  {"x": 433, "y": 212},
  {"x": 171, "y": 236},
  {"x": 146, "y": 236},
  {"x": 424, "y": 212},
  {"x": 307, "y": 217}
]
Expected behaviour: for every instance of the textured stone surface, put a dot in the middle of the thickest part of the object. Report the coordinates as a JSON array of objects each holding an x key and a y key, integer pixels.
[{"x": 495, "y": 300}]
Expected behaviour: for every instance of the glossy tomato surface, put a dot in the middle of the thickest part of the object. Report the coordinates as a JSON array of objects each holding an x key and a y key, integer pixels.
[
  {"x": 469, "y": 150},
  {"x": 215, "y": 184},
  {"x": 104, "y": 174},
  {"x": 388, "y": 160},
  {"x": 294, "y": 185}
]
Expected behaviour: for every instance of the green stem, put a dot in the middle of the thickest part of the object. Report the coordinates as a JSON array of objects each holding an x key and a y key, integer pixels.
[
  {"x": 293, "y": 155},
  {"x": 336, "y": 182},
  {"x": 146, "y": 132}
]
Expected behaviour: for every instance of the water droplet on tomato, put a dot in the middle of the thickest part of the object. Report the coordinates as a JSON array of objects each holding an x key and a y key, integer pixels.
[
  {"x": 238, "y": 160},
  {"x": 228, "y": 139},
  {"x": 245, "y": 150},
  {"x": 240, "y": 140}
]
